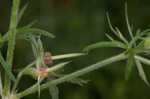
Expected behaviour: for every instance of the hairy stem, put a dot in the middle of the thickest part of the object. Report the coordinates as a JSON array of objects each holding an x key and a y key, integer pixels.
[
  {"x": 100, "y": 64},
  {"x": 11, "y": 43}
]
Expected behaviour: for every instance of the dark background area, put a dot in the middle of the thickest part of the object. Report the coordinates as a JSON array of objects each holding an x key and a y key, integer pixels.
[{"x": 76, "y": 24}]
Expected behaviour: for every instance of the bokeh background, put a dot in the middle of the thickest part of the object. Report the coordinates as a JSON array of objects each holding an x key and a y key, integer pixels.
[{"x": 76, "y": 24}]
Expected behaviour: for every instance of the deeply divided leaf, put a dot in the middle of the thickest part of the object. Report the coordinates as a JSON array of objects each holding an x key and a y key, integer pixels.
[
  {"x": 105, "y": 44},
  {"x": 22, "y": 12},
  {"x": 127, "y": 22},
  {"x": 24, "y": 32}
]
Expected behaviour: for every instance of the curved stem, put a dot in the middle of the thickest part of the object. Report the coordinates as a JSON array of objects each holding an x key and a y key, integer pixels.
[
  {"x": 127, "y": 22},
  {"x": 100, "y": 64},
  {"x": 11, "y": 43}
]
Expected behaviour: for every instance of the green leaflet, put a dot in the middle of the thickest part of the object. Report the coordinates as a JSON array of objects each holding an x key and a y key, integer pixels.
[
  {"x": 38, "y": 50},
  {"x": 57, "y": 67},
  {"x": 31, "y": 24},
  {"x": 129, "y": 64},
  {"x": 145, "y": 32},
  {"x": 109, "y": 37},
  {"x": 29, "y": 71},
  {"x": 34, "y": 45},
  {"x": 121, "y": 36},
  {"x": 115, "y": 30},
  {"x": 54, "y": 92},
  {"x": 6, "y": 67},
  {"x": 138, "y": 32},
  {"x": 127, "y": 22},
  {"x": 24, "y": 32},
  {"x": 5, "y": 37},
  {"x": 78, "y": 81},
  {"x": 105, "y": 44},
  {"x": 22, "y": 12},
  {"x": 110, "y": 25},
  {"x": 137, "y": 37},
  {"x": 141, "y": 72}
]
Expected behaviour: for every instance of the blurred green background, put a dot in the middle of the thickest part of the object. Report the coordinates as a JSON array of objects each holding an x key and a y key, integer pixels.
[{"x": 76, "y": 24}]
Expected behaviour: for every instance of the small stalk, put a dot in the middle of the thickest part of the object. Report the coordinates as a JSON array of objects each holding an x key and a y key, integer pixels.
[
  {"x": 56, "y": 67},
  {"x": 100, "y": 64},
  {"x": 67, "y": 56},
  {"x": 11, "y": 43},
  {"x": 143, "y": 60}
]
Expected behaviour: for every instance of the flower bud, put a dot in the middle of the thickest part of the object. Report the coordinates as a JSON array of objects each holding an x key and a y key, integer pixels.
[
  {"x": 35, "y": 72},
  {"x": 47, "y": 58},
  {"x": 42, "y": 72}
]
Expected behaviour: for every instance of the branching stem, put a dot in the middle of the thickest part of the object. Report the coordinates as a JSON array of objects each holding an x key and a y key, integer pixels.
[
  {"x": 11, "y": 43},
  {"x": 100, "y": 64}
]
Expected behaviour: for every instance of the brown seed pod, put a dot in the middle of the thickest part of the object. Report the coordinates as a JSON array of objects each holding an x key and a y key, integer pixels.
[
  {"x": 47, "y": 54},
  {"x": 47, "y": 58}
]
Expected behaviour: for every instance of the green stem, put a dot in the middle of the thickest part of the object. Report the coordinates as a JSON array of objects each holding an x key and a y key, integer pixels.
[
  {"x": 1, "y": 85},
  {"x": 67, "y": 56},
  {"x": 143, "y": 60},
  {"x": 11, "y": 43},
  {"x": 100, "y": 64}
]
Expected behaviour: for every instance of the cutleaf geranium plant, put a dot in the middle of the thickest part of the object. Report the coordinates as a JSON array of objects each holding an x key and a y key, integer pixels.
[
  {"x": 41, "y": 69},
  {"x": 45, "y": 72}
]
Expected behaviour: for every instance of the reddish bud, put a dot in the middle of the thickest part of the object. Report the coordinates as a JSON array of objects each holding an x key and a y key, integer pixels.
[
  {"x": 47, "y": 58},
  {"x": 42, "y": 72}
]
